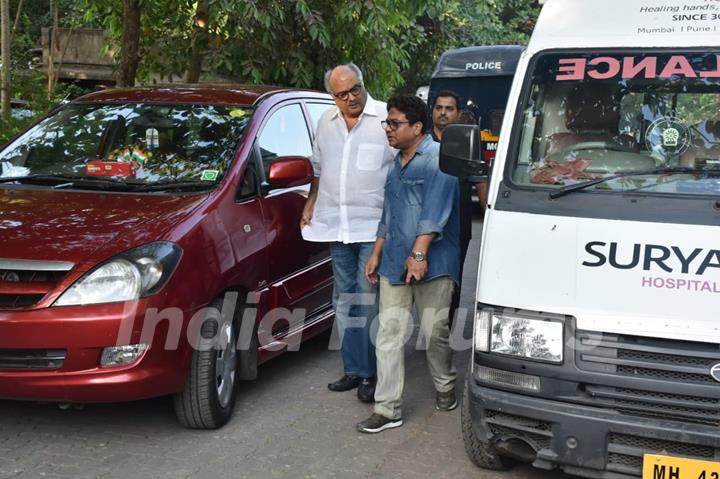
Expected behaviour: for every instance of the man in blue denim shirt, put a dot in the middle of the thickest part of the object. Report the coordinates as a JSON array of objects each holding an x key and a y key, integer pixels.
[{"x": 416, "y": 256}]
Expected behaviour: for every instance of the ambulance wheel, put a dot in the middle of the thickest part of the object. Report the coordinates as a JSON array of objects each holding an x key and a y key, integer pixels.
[
  {"x": 481, "y": 453},
  {"x": 208, "y": 400}
]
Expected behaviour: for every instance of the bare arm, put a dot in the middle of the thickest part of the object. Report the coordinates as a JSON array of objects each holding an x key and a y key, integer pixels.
[
  {"x": 373, "y": 263},
  {"x": 309, "y": 208}
]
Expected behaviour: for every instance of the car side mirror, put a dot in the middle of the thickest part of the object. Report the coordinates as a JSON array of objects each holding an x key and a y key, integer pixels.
[
  {"x": 461, "y": 153},
  {"x": 290, "y": 171}
]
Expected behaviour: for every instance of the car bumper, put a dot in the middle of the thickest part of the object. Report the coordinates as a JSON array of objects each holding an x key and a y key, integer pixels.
[
  {"x": 582, "y": 440},
  {"x": 82, "y": 333}
]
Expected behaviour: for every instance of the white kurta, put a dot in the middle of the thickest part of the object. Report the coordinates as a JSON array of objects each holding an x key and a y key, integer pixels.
[{"x": 352, "y": 167}]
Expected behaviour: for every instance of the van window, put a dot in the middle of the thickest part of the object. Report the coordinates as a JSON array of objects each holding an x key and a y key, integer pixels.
[{"x": 647, "y": 122}]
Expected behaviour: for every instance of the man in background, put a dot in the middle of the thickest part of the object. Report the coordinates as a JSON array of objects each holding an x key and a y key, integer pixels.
[{"x": 446, "y": 111}]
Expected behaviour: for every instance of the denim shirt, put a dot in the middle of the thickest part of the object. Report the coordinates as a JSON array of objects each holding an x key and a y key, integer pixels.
[{"x": 419, "y": 200}]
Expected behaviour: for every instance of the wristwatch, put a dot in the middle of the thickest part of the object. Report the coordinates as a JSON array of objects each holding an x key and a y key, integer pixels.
[{"x": 418, "y": 256}]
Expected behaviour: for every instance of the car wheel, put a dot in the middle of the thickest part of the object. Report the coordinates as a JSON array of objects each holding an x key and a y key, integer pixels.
[
  {"x": 481, "y": 453},
  {"x": 208, "y": 400}
]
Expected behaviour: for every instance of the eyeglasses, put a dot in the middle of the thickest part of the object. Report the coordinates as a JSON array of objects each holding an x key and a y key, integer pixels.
[
  {"x": 393, "y": 124},
  {"x": 343, "y": 95}
]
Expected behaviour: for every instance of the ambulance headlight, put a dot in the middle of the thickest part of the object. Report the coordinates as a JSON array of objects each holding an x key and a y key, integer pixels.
[
  {"x": 534, "y": 336},
  {"x": 481, "y": 331}
]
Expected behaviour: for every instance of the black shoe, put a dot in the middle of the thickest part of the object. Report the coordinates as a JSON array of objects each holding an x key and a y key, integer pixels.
[
  {"x": 377, "y": 423},
  {"x": 345, "y": 383},
  {"x": 446, "y": 401},
  {"x": 366, "y": 390}
]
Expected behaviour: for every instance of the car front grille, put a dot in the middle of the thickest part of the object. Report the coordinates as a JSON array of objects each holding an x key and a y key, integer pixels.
[
  {"x": 32, "y": 359},
  {"x": 651, "y": 404},
  {"x": 665, "y": 369},
  {"x": 24, "y": 283},
  {"x": 19, "y": 300}
]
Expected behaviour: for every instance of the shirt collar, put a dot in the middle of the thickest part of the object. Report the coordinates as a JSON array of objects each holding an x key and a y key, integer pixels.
[
  {"x": 370, "y": 109},
  {"x": 424, "y": 145},
  {"x": 427, "y": 141}
]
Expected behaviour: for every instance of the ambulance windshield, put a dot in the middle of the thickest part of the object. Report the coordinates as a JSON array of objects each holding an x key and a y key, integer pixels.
[{"x": 648, "y": 122}]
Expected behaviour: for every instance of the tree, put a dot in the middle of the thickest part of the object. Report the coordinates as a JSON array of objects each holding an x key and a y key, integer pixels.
[
  {"x": 130, "y": 53},
  {"x": 199, "y": 42},
  {"x": 5, "y": 77},
  {"x": 292, "y": 42},
  {"x": 283, "y": 42}
]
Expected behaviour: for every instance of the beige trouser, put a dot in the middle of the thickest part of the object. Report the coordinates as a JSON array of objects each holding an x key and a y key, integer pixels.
[{"x": 432, "y": 300}]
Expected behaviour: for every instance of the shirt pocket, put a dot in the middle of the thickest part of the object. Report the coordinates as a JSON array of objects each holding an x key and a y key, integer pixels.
[
  {"x": 414, "y": 188},
  {"x": 370, "y": 157}
]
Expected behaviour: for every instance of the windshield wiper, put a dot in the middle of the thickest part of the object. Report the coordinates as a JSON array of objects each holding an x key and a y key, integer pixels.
[
  {"x": 565, "y": 190},
  {"x": 67, "y": 180},
  {"x": 175, "y": 185}
]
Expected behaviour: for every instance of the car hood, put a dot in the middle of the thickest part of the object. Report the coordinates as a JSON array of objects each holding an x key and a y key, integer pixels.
[{"x": 50, "y": 225}]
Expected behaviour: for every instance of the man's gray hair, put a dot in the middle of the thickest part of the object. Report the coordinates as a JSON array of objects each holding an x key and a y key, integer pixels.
[{"x": 354, "y": 68}]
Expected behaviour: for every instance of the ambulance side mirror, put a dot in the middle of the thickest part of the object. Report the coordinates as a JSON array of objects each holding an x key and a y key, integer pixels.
[{"x": 461, "y": 153}]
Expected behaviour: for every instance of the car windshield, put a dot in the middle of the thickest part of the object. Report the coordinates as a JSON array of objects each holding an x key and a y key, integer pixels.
[
  {"x": 649, "y": 122},
  {"x": 138, "y": 144}
]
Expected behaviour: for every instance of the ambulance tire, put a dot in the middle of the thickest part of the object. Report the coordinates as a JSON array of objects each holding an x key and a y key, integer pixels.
[
  {"x": 208, "y": 400},
  {"x": 480, "y": 453}
]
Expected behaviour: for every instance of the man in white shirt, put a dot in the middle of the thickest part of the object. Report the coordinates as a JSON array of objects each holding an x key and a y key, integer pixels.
[{"x": 351, "y": 158}]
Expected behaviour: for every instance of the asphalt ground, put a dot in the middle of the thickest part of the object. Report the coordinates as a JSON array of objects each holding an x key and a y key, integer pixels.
[{"x": 286, "y": 425}]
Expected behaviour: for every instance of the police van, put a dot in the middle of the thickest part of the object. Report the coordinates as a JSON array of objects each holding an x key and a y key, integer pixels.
[
  {"x": 481, "y": 76},
  {"x": 596, "y": 345}
]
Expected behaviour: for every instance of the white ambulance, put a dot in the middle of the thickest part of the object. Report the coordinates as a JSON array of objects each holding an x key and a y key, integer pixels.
[{"x": 597, "y": 325}]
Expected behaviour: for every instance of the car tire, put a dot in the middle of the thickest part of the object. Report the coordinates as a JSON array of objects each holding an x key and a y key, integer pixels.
[
  {"x": 481, "y": 453},
  {"x": 208, "y": 400}
]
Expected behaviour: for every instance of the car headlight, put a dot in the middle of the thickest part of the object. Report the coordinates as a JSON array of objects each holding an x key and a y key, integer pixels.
[
  {"x": 135, "y": 274},
  {"x": 529, "y": 335}
]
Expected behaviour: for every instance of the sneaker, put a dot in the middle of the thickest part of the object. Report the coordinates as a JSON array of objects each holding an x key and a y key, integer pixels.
[
  {"x": 366, "y": 390},
  {"x": 446, "y": 401},
  {"x": 377, "y": 423},
  {"x": 345, "y": 383}
]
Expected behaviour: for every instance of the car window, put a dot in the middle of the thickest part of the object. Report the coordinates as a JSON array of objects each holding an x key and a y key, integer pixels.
[
  {"x": 284, "y": 134},
  {"x": 316, "y": 110},
  {"x": 138, "y": 143},
  {"x": 248, "y": 185}
]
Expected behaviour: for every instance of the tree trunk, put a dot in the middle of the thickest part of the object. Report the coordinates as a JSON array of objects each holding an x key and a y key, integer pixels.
[
  {"x": 130, "y": 54},
  {"x": 53, "y": 45},
  {"x": 199, "y": 42},
  {"x": 17, "y": 21},
  {"x": 5, "y": 76}
]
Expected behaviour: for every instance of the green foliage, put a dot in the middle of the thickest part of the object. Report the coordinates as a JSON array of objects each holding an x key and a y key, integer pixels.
[
  {"x": 464, "y": 23},
  {"x": 31, "y": 86},
  {"x": 285, "y": 42},
  {"x": 293, "y": 42},
  {"x": 35, "y": 15}
]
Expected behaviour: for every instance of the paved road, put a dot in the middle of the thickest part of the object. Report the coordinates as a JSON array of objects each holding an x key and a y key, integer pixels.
[{"x": 286, "y": 425}]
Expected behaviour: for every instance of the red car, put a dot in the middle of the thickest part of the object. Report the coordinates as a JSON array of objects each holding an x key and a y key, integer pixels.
[{"x": 150, "y": 245}]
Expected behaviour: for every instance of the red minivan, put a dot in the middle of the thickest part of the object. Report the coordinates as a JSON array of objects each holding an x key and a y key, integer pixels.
[{"x": 150, "y": 245}]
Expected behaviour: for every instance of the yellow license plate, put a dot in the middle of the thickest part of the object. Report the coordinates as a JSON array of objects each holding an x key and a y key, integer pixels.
[{"x": 666, "y": 467}]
